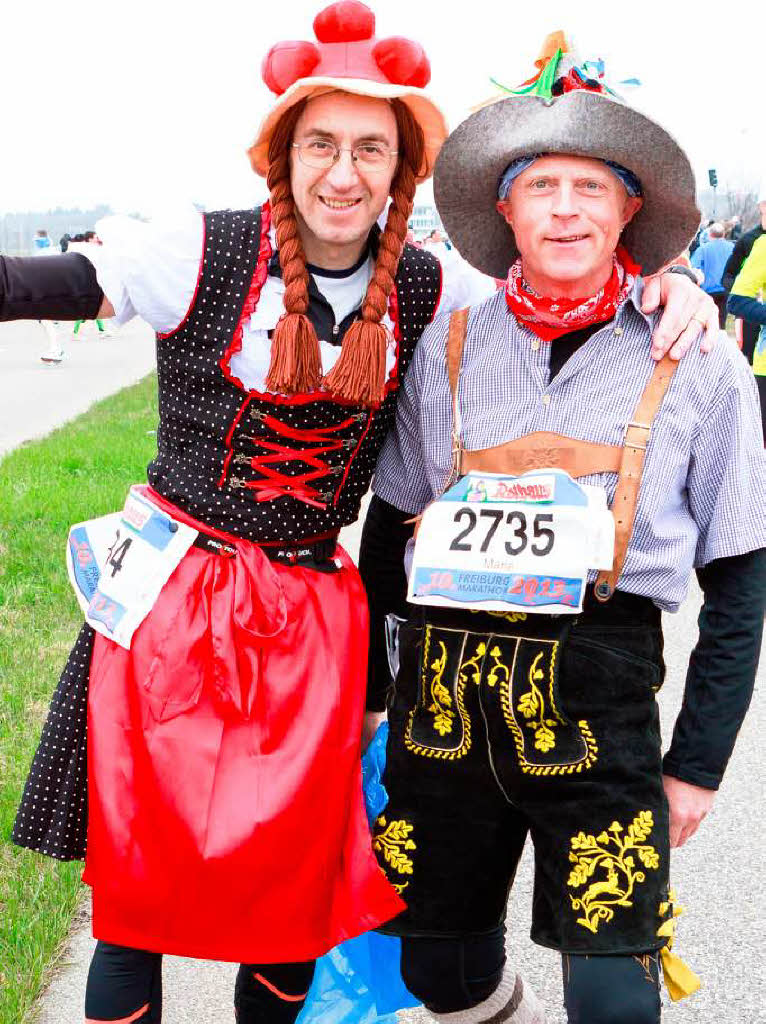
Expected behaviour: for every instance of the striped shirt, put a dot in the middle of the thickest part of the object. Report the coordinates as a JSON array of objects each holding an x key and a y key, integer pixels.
[{"x": 703, "y": 492}]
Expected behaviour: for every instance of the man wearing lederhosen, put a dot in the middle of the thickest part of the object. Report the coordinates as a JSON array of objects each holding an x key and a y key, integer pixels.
[{"x": 509, "y": 714}]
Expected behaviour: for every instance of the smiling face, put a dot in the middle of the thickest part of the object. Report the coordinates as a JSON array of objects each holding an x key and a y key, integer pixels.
[
  {"x": 337, "y": 206},
  {"x": 567, "y": 213}
]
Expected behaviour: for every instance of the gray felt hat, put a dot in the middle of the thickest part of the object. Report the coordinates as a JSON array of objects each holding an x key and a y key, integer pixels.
[{"x": 584, "y": 119}]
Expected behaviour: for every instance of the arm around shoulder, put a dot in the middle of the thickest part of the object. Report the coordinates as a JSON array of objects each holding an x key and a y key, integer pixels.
[{"x": 462, "y": 284}]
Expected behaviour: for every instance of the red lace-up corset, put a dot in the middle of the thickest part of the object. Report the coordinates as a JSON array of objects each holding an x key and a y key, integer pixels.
[{"x": 273, "y": 459}]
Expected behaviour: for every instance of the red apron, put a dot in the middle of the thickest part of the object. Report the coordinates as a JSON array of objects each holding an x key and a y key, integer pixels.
[{"x": 225, "y": 816}]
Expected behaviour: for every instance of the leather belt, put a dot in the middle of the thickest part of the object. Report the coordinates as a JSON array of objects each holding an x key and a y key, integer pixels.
[{"x": 317, "y": 554}]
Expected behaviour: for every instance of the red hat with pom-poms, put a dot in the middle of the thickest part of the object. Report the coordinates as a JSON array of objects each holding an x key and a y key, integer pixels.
[{"x": 348, "y": 56}]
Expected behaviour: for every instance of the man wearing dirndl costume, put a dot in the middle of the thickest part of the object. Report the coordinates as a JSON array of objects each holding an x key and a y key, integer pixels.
[
  {"x": 202, "y": 748},
  {"x": 566, "y": 485}
]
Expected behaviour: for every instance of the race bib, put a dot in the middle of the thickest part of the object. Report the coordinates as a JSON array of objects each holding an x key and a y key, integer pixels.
[
  {"x": 498, "y": 542},
  {"x": 119, "y": 563}
]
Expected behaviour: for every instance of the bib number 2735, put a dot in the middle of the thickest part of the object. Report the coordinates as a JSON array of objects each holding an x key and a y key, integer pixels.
[{"x": 516, "y": 530}]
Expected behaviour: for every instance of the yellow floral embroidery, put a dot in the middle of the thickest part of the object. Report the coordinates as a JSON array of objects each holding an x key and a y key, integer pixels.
[
  {"x": 441, "y": 704},
  {"x": 472, "y": 665},
  {"x": 614, "y": 853},
  {"x": 590, "y": 750},
  {"x": 532, "y": 706},
  {"x": 498, "y": 669},
  {"x": 392, "y": 843}
]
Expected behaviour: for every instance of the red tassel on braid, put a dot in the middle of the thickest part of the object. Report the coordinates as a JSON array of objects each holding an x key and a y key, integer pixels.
[
  {"x": 296, "y": 362},
  {"x": 359, "y": 376}
]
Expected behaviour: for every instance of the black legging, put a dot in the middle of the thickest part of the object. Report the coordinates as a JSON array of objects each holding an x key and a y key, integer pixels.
[
  {"x": 445, "y": 974},
  {"x": 449, "y": 974},
  {"x": 127, "y": 984},
  {"x": 611, "y": 989}
]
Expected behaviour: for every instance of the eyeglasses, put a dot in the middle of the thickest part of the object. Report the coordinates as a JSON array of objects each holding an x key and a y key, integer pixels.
[{"x": 322, "y": 154}]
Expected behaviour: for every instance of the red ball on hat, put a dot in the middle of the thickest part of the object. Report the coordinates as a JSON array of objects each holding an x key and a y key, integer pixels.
[
  {"x": 346, "y": 55},
  {"x": 346, "y": 47},
  {"x": 347, "y": 21}
]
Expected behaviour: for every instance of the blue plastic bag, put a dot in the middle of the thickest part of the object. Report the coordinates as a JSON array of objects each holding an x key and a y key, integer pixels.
[{"x": 360, "y": 981}]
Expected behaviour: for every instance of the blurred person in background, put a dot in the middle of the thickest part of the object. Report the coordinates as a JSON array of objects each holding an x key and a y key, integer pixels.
[
  {"x": 79, "y": 243},
  {"x": 742, "y": 248},
  {"x": 437, "y": 243},
  {"x": 43, "y": 245},
  {"x": 710, "y": 257},
  {"x": 701, "y": 236},
  {"x": 734, "y": 228},
  {"x": 748, "y": 300}
]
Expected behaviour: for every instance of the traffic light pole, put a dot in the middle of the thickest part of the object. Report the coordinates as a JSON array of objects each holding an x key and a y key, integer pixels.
[{"x": 713, "y": 179}]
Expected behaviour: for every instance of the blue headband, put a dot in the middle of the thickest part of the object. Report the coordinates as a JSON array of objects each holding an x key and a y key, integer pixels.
[{"x": 515, "y": 168}]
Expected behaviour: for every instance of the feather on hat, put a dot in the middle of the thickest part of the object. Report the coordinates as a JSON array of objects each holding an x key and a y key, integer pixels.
[{"x": 561, "y": 109}]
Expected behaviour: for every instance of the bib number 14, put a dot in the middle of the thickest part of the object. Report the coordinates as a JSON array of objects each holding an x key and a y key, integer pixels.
[{"x": 522, "y": 530}]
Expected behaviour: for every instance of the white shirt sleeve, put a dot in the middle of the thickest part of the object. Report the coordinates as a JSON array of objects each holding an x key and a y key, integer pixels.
[
  {"x": 462, "y": 284},
  {"x": 149, "y": 269}
]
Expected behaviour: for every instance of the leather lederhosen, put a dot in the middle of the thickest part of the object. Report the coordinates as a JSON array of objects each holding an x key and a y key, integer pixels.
[{"x": 504, "y": 723}]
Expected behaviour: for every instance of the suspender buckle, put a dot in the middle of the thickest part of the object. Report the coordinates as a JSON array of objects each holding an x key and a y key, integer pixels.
[{"x": 640, "y": 426}]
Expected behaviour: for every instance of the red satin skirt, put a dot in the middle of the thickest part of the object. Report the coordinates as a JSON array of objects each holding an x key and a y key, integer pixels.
[{"x": 225, "y": 810}]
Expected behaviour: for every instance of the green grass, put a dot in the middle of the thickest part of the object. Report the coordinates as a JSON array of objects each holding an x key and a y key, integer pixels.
[{"x": 79, "y": 472}]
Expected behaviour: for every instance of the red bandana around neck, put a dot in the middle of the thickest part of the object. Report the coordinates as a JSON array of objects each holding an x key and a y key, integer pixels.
[{"x": 550, "y": 318}]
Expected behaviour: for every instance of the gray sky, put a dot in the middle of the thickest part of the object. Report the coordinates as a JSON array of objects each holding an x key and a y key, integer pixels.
[{"x": 144, "y": 104}]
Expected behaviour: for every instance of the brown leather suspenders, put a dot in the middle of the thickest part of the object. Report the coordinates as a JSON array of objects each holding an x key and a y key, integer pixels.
[
  {"x": 458, "y": 328},
  {"x": 578, "y": 458},
  {"x": 631, "y": 468}
]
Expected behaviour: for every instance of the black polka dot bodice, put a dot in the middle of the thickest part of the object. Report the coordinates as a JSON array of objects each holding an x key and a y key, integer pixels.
[
  {"x": 259, "y": 466},
  {"x": 220, "y": 448}
]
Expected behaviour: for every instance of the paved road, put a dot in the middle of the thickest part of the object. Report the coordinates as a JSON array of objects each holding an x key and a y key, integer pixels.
[
  {"x": 719, "y": 875},
  {"x": 37, "y": 397}
]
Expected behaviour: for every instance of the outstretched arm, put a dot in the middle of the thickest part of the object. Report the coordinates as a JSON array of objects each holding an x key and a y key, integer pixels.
[{"x": 56, "y": 288}]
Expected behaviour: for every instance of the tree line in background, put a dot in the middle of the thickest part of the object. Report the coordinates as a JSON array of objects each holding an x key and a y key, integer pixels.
[
  {"x": 17, "y": 230},
  {"x": 725, "y": 205}
]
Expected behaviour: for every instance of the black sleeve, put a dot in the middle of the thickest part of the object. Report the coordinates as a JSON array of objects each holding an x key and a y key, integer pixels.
[
  {"x": 48, "y": 288},
  {"x": 722, "y": 668},
  {"x": 749, "y": 309},
  {"x": 381, "y": 565},
  {"x": 734, "y": 263}
]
